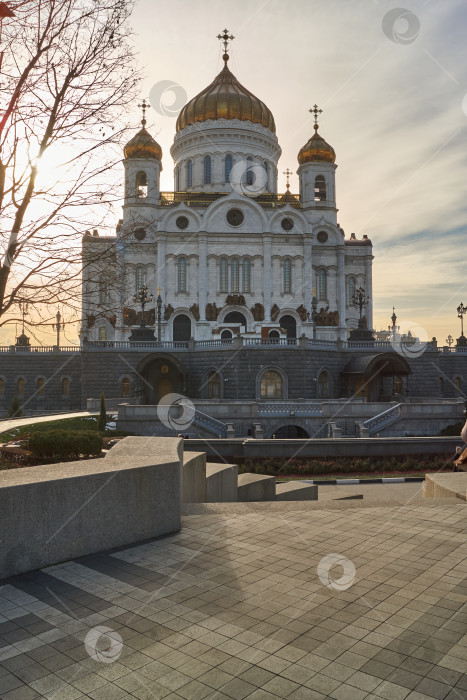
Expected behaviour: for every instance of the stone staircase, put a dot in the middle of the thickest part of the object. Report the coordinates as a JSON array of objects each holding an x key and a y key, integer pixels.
[
  {"x": 208, "y": 482},
  {"x": 382, "y": 420}
]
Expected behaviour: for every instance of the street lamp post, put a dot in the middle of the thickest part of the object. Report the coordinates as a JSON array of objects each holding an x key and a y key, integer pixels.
[
  {"x": 159, "y": 315},
  {"x": 360, "y": 299},
  {"x": 59, "y": 326},
  {"x": 449, "y": 340},
  {"x": 142, "y": 333},
  {"x": 313, "y": 316},
  {"x": 461, "y": 310}
]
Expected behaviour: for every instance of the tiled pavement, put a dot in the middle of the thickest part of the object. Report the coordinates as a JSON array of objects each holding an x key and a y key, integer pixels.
[{"x": 233, "y": 607}]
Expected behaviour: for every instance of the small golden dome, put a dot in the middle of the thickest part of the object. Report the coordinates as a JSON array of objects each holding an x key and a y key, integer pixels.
[
  {"x": 143, "y": 146},
  {"x": 226, "y": 98},
  {"x": 316, "y": 150}
]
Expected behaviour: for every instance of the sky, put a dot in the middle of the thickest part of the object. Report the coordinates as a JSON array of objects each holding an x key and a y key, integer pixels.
[{"x": 392, "y": 84}]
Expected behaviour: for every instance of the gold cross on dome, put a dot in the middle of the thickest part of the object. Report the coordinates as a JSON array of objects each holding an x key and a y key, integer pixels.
[
  {"x": 287, "y": 174},
  {"x": 315, "y": 111},
  {"x": 144, "y": 106},
  {"x": 159, "y": 290},
  {"x": 225, "y": 38}
]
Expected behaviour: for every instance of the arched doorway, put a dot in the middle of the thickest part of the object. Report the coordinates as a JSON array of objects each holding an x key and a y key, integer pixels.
[
  {"x": 182, "y": 327},
  {"x": 161, "y": 376},
  {"x": 235, "y": 317},
  {"x": 289, "y": 324},
  {"x": 291, "y": 432},
  {"x": 226, "y": 336},
  {"x": 374, "y": 376}
]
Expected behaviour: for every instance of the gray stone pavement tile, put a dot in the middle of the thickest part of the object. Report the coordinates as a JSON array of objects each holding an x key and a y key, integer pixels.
[
  {"x": 174, "y": 680},
  {"x": 322, "y": 684},
  {"x": 194, "y": 690},
  {"x": 391, "y": 691},
  {"x": 9, "y": 682},
  {"x": 433, "y": 688},
  {"x": 23, "y": 693},
  {"x": 344, "y": 692},
  {"x": 363, "y": 681},
  {"x": 405, "y": 678},
  {"x": 109, "y": 691}
]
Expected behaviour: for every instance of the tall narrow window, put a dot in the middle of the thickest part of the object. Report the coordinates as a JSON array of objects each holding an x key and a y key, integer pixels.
[
  {"x": 189, "y": 174},
  {"x": 20, "y": 386},
  {"x": 287, "y": 276},
  {"x": 2, "y": 386},
  {"x": 351, "y": 286},
  {"x": 139, "y": 278},
  {"x": 228, "y": 167},
  {"x": 103, "y": 296},
  {"x": 213, "y": 386},
  {"x": 235, "y": 286},
  {"x": 207, "y": 170},
  {"x": 271, "y": 385},
  {"x": 40, "y": 386},
  {"x": 65, "y": 386},
  {"x": 321, "y": 284},
  {"x": 266, "y": 175},
  {"x": 177, "y": 179},
  {"x": 323, "y": 385},
  {"x": 246, "y": 275},
  {"x": 182, "y": 275},
  {"x": 320, "y": 188},
  {"x": 102, "y": 333},
  {"x": 457, "y": 383},
  {"x": 125, "y": 387},
  {"x": 223, "y": 282},
  {"x": 141, "y": 185},
  {"x": 249, "y": 175}
]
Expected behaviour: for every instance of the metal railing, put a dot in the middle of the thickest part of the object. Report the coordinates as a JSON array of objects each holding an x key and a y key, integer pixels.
[
  {"x": 280, "y": 408},
  {"x": 204, "y": 199},
  {"x": 383, "y": 420}
]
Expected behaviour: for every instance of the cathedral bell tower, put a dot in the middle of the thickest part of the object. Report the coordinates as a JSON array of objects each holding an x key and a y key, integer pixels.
[
  {"x": 143, "y": 166},
  {"x": 317, "y": 170}
]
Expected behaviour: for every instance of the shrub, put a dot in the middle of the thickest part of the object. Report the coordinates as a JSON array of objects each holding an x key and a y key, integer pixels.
[
  {"x": 62, "y": 444},
  {"x": 452, "y": 430},
  {"x": 15, "y": 410}
]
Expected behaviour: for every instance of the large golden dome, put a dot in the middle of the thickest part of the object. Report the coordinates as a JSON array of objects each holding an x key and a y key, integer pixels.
[
  {"x": 226, "y": 98},
  {"x": 143, "y": 146},
  {"x": 316, "y": 149}
]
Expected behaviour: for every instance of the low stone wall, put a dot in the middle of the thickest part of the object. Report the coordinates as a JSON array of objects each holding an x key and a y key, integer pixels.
[
  {"x": 445, "y": 486},
  {"x": 53, "y": 513}
]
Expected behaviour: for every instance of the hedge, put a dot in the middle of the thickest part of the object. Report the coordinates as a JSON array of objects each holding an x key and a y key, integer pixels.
[{"x": 63, "y": 444}]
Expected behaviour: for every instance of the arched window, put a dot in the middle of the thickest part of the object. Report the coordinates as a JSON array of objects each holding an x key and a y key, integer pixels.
[
  {"x": 102, "y": 333},
  {"x": 235, "y": 276},
  {"x": 226, "y": 336},
  {"x": 271, "y": 385},
  {"x": 139, "y": 278},
  {"x": 207, "y": 170},
  {"x": 287, "y": 271},
  {"x": 235, "y": 317},
  {"x": 351, "y": 287},
  {"x": 223, "y": 281},
  {"x": 141, "y": 185},
  {"x": 321, "y": 284},
  {"x": 40, "y": 386},
  {"x": 2, "y": 386},
  {"x": 323, "y": 385},
  {"x": 126, "y": 387},
  {"x": 103, "y": 295},
  {"x": 399, "y": 385},
  {"x": 320, "y": 188},
  {"x": 266, "y": 175},
  {"x": 20, "y": 386},
  {"x": 182, "y": 327},
  {"x": 189, "y": 174},
  {"x": 249, "y": 174},
  {"x": 246, "y": 275},
  {"x": 177, "y": 179},
  {"x": 289, "y": 324},
  {"x": 228, "y": 167},
  {"x": 181, "y": 275},
  {"x": 213, "y": 386},
  {"x": 441, "y": 386},
  {"x": 275, "y": 335},
  {"x": 65, "y": 386}
]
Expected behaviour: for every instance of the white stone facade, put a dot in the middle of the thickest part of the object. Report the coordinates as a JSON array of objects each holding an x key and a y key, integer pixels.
[{"x": 274, "y": 260}]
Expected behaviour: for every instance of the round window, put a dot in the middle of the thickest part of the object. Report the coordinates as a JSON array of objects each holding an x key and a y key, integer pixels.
[
  {"x": 287, "y": 224},
  {"x": 235, "y": 217},
  {"x": 182, "y": 222},
  {"x": 140, "y": 234},
  {"x": 322, "y": 236}
]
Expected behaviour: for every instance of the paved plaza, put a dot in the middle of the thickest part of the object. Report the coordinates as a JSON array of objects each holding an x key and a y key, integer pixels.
[{"x": 254, "y": 601}]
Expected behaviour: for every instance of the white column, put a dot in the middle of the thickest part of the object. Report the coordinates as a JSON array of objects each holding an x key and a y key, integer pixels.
[
  {"x": 161, "y": 272},
  {"x": 369, "y": 290},
  {"x": 341, "y": 305},
  {"x": 307, "y": 270},
  {"x": 267, "y": 276},
  {"x": 202, "y": 275}
]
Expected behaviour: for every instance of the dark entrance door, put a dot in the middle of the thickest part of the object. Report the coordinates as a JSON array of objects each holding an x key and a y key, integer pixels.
[
  {"x": 289, "y": 324},
  {"x": 182, "y": 328}
]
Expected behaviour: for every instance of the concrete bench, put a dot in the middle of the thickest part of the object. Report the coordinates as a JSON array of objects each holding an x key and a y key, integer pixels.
[
  {"x": 221, "y": 483},
  {"x": 296, "y": 491},
  {"x": 452, "y": 485},
  {"x": 256, "y": 487}
]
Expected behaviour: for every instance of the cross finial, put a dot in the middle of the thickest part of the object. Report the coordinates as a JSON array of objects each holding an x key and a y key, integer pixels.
[
  {"x": 225, "y": 38},
  {"x": 315, "y": 111},
  {"x": 144, "y": 106},
  {"x": 159, "y": 290},
  {"x": 287, "y": 174}
]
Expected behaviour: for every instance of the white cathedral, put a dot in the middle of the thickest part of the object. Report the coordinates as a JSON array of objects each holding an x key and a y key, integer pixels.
[{"x": 226, "y": 254}]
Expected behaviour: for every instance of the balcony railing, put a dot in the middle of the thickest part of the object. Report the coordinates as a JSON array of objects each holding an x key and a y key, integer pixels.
[{"x": 204, "y": 199}]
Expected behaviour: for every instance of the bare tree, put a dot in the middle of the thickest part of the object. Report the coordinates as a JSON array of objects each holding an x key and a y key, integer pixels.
[{"x": 68, "y": 78}]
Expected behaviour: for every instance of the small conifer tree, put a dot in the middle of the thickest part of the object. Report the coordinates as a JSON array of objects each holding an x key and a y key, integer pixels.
[
  {"x": 102, "y": 420},
  {"x": 15, "y": 410}
]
